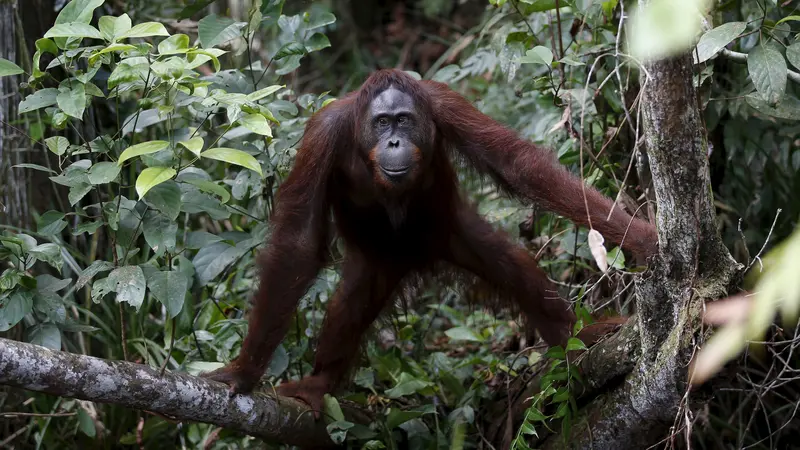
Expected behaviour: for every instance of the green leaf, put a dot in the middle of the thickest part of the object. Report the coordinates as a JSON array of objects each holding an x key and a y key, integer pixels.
[
  {"x": 194, "y": 145},
  {"x": 113, "y": 27},
  {"x": 152, "y": 176},
  {"x": 214, "y": 30},
  {"x": 233, "y": 156},
  {"x": 34, "y": 167},
  {"x": 109, "y": 49},
  {"x": 256, "y": 123},
  {"x": 57, "y": 144},
  {"x": 616, "y": 258},
  {"x": 396, "y": 417},
  {"x": 87, "y": 227},
  {"x": 77, "y": 192},
  {"x": 49, "y": 253},
  {"x": 129, "y": 284},
  {"x": 14, "y": 308},
  {"x": 556, "y": 352},
  {"x": 289, "y": 49},
  {"x": 715, "y": 40},
  {"x": 211, "y": 188},
  {"x": 575, "y": 344},
  {"x": 175, "y": 44},
  {"x": 78, "y": 11},
  {"x": 463, "y": 334},
  {"x": 663, "y": 28},
  {"x": 166, "y": 197},
  {"x": 407, "y": 385},
  {"x": 103, "y": 172},
  {"x": 788, "y": 109},
  {"x": 210, "y": 261},
  {"x": 145, "y": 148},
  {"x": 538, "y": 55},
  {"x": 39, "y": 99},
  {"x": 193, "y": 8},
  {"x": 317, "y": 42},
  {"x": 788, "y": 18},
  {"x": 261, "y": 93},
  {"x": 320, "y": 20},
  {"x": 793, "y": 54},
  {"x": 8, "y": 68},
  {"x": 51, "y": 223},
  {"x": 45, "y": 334},
  {"x": 72, "y": 101},
  {"x": 85, "y": 423},
  {"x": 332, "y": 408},
  {"x": 169, "y": 288},
  {"x": 89, "y": 272},
  {"x": 768, "y": 71},
  {"x": 145, "y": 29},
  {"x": 73, "y": 30},
  {"x": 159, "y": 231}
]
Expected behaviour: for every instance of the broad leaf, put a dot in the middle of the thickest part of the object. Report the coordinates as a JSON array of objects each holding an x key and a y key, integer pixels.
[
  {"x": 159, "y": 231},
  {"x": 39, "y": 99},
  {"x": 320, "y": 20},
  {"x": 194, "y": 145},
  {"x": 166, "y": 197},
  {"x": 57, "y": 144},
  {"x": 317, "y": 42},
  {"x": 768, "y": 71},
  {"x": 290, "y": 49},
  {"x": 129, "y": 284},
  {"x": 72, "y": 100},
  {"x": 103, "y": 172},
  {"x": 46, "y": 335},
  {"x": 233, "y": 156},
  {"x": 538, "y": 55},
  {"x": 8, "y": 68},
  {"x": 463, "y": 334},
  {"x": 152, "y": 176},
  {"x": 715, "y": 40},
  {"x": 146, "y": 29},
  {"x": 145, "y": 148},
  {"x": 14, "y": 308},
  {"x": 113, "y": 27},
  {"x": 175, "y": 44},
  {"x": 51, "y": 223},
  {"x": 170, "y": 289},
  {"x": 211, "y": 188},
  {"x": 788, "y": 108},
  {"x": 256, "y": 123},
  {"x": 214, "y": 30},
  {"x": 793, "y": 54},
  {"x": 73, "y": 30},
  {"x": 78, "y": 11},
  {"x": 261, "y": 93}
]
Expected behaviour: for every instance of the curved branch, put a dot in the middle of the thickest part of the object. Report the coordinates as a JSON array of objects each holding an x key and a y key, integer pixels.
[{"x": 178, "y": 396}]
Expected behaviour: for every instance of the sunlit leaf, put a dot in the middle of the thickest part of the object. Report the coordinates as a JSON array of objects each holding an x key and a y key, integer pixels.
[
  {"x": 538, "y": 55},
  {"x": 256, "y": 123},
  {"x": 8, "y": 68},
  {"x": 146, "y": 29},
  {"x": 57, "y": 144},
  {"x": 175, "y": 44},
  {"x": 194, "y": 145},
  {"x": 662, "y": 28},
  {"x": 103, "y": 172},
  {"x": 463, "y": 334},
  {"x": 144, "y": 148},
  {"x": 233, "y": 156},
  {"x": 113, "y": 27},
  {"x": 152, "y": 176},
  {"x": 73, "y": 30}
]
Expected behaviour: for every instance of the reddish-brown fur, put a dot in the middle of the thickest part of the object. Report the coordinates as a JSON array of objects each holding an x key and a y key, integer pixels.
[{"x": 389, "y": 235}]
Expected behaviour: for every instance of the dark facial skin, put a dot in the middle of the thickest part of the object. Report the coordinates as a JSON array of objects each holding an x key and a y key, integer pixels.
[{"x": 398, "y": 137}]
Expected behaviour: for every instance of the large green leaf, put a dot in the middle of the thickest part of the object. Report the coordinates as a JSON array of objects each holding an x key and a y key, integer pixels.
[
  {"x": 72, "y": 100},
  {"x": 152, "y": 176},
  {"x": 78, "y": 11},
  {"x": 166, "y": 197},
  {"x": 103, "y": 172},
  {"x": 39, "y": 99},
  {"x": 8, "y": 68},
  {"x": 317, "y": 42},
  {"x": 145, "y": 148},
  {"x": 51, "y": 223},
  {"x": 793, "y": 54},
  {"x": 57, "y": 144},
  {"x": 159, "y": 231},
  {"x": 715, "y": 40},
  {"x": 194, "y": 145},
  {"x": 45, "y": 335},
  {"x": 175, "y": 44},
  {"x": 169, "y": 288},
  {"x": 129, "y": 284},
  {"x": 14, "y": 308},
  {"x": 538, "y": 55},
  {"x": 73, "y": 30},
  {"x": 112, "y": 27},
  {"x": 320, "y": 20},
  {"x": 256, "y": 123},
  {"x": 768, "y": 71},
  {"x": 214, "y": 30},
  {"x": 146, "y": 29},
  {"x": 233, "y": 156}
]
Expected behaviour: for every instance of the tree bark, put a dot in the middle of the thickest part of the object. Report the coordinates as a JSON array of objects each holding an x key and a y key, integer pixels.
[{"x": 178, "y": 396}]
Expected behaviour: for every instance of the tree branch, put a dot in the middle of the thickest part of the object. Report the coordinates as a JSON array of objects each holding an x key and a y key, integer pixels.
[{"x": 179, "y": 396}]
